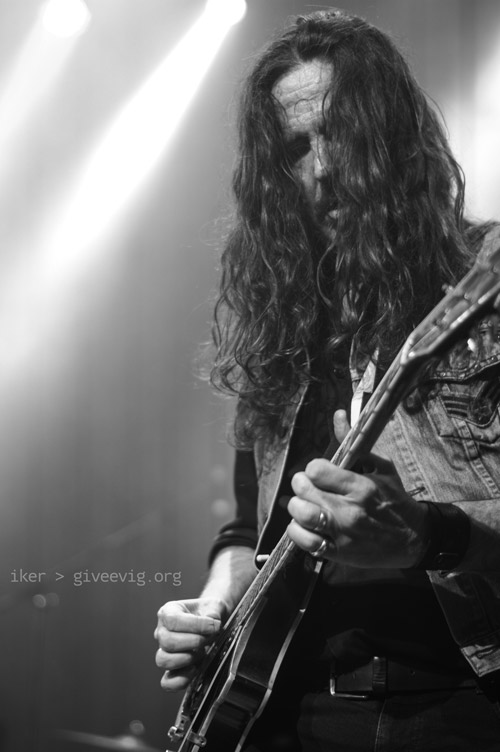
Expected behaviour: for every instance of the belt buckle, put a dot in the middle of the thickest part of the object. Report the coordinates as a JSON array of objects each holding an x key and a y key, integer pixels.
[{"x": 346, "y": 695}]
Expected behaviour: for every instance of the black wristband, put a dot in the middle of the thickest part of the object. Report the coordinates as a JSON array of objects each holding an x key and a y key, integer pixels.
[{"x": 449, "y": 537}]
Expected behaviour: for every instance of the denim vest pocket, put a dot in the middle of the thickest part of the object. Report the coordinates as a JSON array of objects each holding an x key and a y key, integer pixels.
[
  {"x": 464, "y": 389},
  {"x": 470, "y": 411}
]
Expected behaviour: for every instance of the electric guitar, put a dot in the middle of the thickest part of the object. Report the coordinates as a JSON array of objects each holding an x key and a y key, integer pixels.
[{"x": 236, "y": 677}]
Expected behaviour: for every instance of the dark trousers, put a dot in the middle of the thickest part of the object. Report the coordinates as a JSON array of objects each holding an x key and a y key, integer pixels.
[{"x": 459, "y": 721}]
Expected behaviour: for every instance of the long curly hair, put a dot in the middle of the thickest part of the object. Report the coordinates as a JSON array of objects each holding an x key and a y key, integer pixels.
[{"x": 290, "y": 304}]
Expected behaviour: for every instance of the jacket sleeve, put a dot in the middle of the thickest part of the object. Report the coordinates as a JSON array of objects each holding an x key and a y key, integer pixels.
[{"x": 242, "y": 530}]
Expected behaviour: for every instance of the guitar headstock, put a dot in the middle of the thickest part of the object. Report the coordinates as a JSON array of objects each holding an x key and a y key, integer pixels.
[{"x": 474, "y": 295}]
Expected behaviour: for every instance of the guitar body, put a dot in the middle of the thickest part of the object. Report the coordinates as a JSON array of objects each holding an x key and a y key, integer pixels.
[{"x": 234, "y": 684}]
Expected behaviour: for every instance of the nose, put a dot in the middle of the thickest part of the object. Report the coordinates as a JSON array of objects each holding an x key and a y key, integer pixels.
[{"x": 321, "y": 156}]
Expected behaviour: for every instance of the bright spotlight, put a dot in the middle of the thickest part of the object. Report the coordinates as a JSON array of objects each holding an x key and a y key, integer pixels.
[
  {"x": 65, "y": 18},
  {"x": 229, "y": 12}
]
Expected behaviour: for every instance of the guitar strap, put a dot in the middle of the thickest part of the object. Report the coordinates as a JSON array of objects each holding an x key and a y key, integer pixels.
[{"x": 363, "y": 388}]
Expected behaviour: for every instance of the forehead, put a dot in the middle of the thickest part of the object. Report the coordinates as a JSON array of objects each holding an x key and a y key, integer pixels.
[{"x": 302, "y": 93}]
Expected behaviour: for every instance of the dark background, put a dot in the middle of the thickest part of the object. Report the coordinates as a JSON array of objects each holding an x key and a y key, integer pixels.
[{"x": 112, "y": 452}]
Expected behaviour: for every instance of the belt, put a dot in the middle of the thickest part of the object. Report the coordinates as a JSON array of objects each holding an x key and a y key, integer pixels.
[{"x": 382, "y": 676}]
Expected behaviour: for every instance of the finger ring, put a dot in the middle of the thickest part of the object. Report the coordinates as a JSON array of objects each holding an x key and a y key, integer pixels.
[
  {"x": 321, "y": 522},
  {"x": 321, "y": 550}
]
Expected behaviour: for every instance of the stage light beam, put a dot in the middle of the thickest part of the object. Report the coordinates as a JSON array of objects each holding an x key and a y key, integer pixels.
[
  {"x": 134, "y": 142},
  {"x": 71, "y": 241},
  {"x": 33, "y": 74}
]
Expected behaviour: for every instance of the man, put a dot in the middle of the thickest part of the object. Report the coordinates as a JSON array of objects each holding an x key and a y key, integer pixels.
[{"x": 349, "y": 227}]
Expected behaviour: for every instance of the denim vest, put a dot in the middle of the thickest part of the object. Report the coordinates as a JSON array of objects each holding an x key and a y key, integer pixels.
[{"x": 446, "y": 451}]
